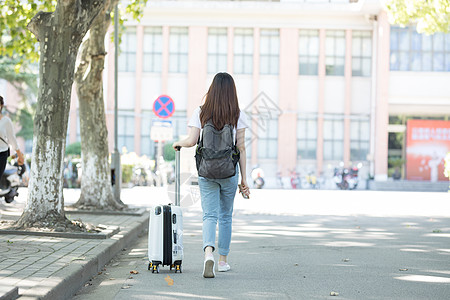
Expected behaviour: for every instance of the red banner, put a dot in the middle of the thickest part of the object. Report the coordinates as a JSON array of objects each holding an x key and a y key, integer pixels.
[{"x": 427, "y": 143}]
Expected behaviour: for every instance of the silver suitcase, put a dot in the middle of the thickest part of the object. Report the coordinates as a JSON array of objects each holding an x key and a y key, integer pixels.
[{"x": 165, "y": 233}]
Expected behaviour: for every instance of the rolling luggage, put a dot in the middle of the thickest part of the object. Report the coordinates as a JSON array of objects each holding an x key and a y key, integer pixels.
[{"x": 165, "y": 233}]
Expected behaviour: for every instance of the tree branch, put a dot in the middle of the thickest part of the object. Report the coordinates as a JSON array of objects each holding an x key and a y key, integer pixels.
[
  {"x": 90, "y": 9},
  {"x": 39, "y": 20},
  {"x": 84, "y": 63}
]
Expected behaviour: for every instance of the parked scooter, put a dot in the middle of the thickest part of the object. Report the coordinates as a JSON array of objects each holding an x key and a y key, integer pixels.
[
  {"x": 10, "y": 181},
  {"x": 295, "y": 179},
  {"x": 346, "y": 178},
  {"x": 258, "y": 177},
  {"x": 311, "y": 181},
  {"x": 353, "y": 178}
]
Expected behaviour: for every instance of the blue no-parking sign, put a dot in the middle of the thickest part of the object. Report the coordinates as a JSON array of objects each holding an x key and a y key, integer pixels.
[{"x": 163, "y": 107}]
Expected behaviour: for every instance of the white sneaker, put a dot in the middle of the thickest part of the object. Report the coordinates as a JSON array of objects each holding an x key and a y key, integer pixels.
[
  {"x": 223, "y": 267},
  {"x": 208, "y": 268}
]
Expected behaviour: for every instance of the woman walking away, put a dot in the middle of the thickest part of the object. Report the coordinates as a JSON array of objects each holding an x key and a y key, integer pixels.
[
  {"x": 7, "y": 137},
  {"x": 217, "y": 183}
]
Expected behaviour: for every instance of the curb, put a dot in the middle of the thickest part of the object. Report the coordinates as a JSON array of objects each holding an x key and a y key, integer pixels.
[
  {"x": 65, "y": 283},
  {"x": 9, "y": 293},
  {"x": 104, "y": 234},
  {"x": 135, "y": 212}
]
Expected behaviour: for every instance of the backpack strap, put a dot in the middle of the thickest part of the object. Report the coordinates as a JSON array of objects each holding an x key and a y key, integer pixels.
[
  {"x": 231, "y": 129},
  {"x": 198, "y": 142}
]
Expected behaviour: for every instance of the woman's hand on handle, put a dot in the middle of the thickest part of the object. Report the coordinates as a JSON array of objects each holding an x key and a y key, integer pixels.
[{"x": 176, "y": 146}]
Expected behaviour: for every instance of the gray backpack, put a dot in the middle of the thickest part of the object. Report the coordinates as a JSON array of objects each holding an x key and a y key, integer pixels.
[{"x": 216, "y": 155}]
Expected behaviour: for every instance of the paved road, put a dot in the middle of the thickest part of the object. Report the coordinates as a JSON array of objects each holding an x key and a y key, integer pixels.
[{"x": 302, "y": 245}]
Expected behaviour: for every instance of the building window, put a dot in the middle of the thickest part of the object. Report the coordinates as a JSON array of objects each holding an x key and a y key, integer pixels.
[
  {"x": 335, "y": 52},
  {"x": 217, "y": 50},
  {"x": 307, "y": 137},
  {"x": 268, "y": 139},
  {"x": 125, "y": 132},
  {"x": 333, "y": 137},
  {"x": 147, "y": 144},
  {"x": 127, "y": 55},
  {"x": 178, "y": 50},
  {"x": 361, "y": 53},
  {"x": 308, "y": 52},
  {"x": 359, "y": 138},
  {"x": 269, "y": 51},
  {"x": 243, "y": 51},
  {"x": 179, "y": 121},
  {"x": 152, "y": 49},
  {"x": 412, "y": 51}
]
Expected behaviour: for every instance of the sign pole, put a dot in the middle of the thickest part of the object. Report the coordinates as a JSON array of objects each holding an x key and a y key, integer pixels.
[
  {"x": 115, "y": 158},
  {"x": 158, "y": 166},
  {"x": 164, "y": 108}
]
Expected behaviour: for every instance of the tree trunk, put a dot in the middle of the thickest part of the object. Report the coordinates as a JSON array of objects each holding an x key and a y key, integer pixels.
[
  {"x": 60, "y": 34},
  {"x": 96, "y": 189}
]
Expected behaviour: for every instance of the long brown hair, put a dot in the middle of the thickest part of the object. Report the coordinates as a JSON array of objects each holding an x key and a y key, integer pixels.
[{"x": 221, "y": 104}]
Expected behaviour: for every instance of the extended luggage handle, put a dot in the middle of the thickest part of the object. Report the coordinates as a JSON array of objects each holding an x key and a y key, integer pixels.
[{"x": 177, "y": 176}]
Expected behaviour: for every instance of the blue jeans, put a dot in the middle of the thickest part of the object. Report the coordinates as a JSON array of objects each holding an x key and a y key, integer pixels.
[{"x": 217, "y": 204}]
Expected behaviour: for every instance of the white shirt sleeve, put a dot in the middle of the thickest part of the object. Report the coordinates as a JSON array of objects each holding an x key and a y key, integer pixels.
[
  {"x": 243, "y": 121},
  {"x": 10, "y": 134},
  {"x": 195, "y": 119}
]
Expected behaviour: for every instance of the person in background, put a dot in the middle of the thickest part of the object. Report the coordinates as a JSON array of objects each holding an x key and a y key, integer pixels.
[{"x": 7, "y": 138}]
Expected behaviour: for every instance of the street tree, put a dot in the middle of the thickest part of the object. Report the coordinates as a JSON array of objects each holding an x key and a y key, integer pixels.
[
  {"x": 96, "y": 189},
  {"x": 59, "y": 34},
  {"x": 429, "y": 16}
]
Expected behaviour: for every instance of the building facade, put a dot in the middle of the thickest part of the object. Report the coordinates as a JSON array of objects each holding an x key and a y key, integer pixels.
[{"x": 322, "y": 82}]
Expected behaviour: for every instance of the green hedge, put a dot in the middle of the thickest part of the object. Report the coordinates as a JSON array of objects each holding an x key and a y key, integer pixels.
[
  {"x": 127, "y": 173},
  {"x": 169, "y": 152},
  {"x": 73, "y": 149}
]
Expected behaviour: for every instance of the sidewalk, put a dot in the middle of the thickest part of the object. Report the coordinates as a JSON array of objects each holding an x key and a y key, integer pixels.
[{"x": 43, "y": 267}]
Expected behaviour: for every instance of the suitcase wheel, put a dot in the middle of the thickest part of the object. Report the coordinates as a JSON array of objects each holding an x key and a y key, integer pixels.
[
  {"x": 178, "y": 268},
  {"x": 155, "y": 268}
]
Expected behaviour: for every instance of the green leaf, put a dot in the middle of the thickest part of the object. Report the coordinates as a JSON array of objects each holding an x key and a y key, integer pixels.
[{"x": 429, "y": 16}]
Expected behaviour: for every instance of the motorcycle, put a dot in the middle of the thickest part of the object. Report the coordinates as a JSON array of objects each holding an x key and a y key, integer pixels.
[
  {"x": 346, "y": 178},
  {"x": 295, "y": 180},
  {"x": 311, "y": 181},
  {"x": 353, "y": 178},
  {"x": 258, "y": 178},
  {"x": 10, "y": 181}
]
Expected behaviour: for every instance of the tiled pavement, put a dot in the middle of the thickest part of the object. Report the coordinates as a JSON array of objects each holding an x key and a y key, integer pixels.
[{"x": 45, "y": 267}]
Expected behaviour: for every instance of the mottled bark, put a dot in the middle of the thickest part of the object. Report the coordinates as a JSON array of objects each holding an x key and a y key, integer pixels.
[
  {"x": 96, "y": 189},
  {"x": 60, "y": 34}
]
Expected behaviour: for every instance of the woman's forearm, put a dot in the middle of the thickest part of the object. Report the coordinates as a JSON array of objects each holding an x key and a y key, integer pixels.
[
  {"x": 243, "y": 163},
  {"x": 191, "y": 140},
  {"x": 186, "y": 143}
]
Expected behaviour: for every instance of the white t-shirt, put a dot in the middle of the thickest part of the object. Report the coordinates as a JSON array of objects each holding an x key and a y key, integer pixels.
[
  {"x": 195, "y": 121},
  {"x": 7, "y": 133}
]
